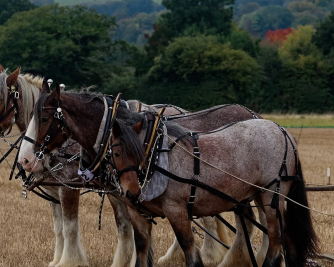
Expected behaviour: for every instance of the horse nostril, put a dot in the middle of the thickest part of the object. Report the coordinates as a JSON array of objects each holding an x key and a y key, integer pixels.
[{"x": 25, "y": 161}]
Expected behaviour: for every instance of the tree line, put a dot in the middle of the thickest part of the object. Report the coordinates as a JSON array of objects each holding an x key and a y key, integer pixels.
[{"x": 193, "y": 59}]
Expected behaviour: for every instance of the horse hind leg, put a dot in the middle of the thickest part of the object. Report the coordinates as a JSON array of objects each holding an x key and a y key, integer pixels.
[
  {"x": 238, "y": 254},
  {"x": 213, "y": 253},
  {"x": 273, "y": 257},
  {"x": 181, "y": 225},
  {"x": 260, "y": 256},
  {"x": 73, "y": 253},
  {"x": 58, "y": 229}
]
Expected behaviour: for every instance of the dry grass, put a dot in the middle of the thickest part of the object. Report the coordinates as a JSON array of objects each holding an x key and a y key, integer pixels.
[
  {"x": 27, "y": 238},
  {"x": 301, "y": 120}
]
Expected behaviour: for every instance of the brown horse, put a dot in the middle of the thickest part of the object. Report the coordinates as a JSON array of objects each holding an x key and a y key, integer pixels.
[
  {"x": 252, "y": 150},
  {"x": 68, "y": 247}
]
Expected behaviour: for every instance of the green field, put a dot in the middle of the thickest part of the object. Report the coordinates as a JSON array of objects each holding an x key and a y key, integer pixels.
[
  {"x": 307, "y": 120},
  {"x": 79, "y": 2}
]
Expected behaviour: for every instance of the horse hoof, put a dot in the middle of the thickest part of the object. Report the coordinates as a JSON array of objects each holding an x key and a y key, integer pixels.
[
  {"x": 211, "y": 259},
  {"x": 53, "y": 264},
  {"x": 167, "y": 258}
]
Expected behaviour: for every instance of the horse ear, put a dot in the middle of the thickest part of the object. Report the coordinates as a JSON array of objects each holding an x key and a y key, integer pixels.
[
  {"x": 116, "y": 129},
  {"x": 1, "y": 68},
  {"x": 45, "y": 88},
  {"x": 137, "y": 127},
  {"x": 12, "y": 78},
  {"x": 55, "y": 93}
]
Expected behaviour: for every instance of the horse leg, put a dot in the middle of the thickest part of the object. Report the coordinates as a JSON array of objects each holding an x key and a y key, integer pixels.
[
  {"x": 174, "y": 254},
  {"x": 181, "y": 225},
  {"x": 73, "y": 253},
  {"x": 213, "y": 253},
  {"x": 58, "y": 229},
  {"x": 238, "y": 254},
  {"x": 125, "y": 255},
  {"x": 260, "y": 256},
  {"x": 273, "y": 257},
  {"x": 142, "y": 233}
]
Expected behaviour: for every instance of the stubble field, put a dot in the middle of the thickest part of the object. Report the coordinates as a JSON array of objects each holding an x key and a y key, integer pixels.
[{"x": 27, "y": 239}]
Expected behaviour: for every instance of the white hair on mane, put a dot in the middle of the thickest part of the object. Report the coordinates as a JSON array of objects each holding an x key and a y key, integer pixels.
[
  {"x": 34, "y": 80},
  {"x": 31, "y": 88}
]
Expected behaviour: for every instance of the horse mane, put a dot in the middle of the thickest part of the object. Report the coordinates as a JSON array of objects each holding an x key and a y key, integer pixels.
[{"x": 30, "y": 86}]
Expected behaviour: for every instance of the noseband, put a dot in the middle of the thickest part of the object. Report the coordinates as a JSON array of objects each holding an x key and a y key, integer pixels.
[{"x": 15, "y": 95}]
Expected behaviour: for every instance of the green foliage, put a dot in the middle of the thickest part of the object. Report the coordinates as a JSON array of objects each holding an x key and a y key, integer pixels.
[
  {"x": 271, "y": 18},
  {"x": 203, "y": 60},
  {"x": 213, "y": 15},
  {"x": 134, "y": 29},
  {"x": 10, "y": 7},
  {"x": 324, "y": 35},
  {"x": 72, "y": 45},
  {"x": 240, "y": 39},
  {"x": 190, "y": 18},
  {"x": 305, "y": 74}
]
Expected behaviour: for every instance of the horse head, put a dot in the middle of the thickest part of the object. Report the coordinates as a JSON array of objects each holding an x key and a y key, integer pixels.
[
  {"x": 10, "y": 98},
  {"x": 45, "y": 132},
  {"x": 126, "y": 156}
]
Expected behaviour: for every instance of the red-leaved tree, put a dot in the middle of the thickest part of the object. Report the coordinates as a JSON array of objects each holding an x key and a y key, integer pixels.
[{"x": 277, "y": 36}]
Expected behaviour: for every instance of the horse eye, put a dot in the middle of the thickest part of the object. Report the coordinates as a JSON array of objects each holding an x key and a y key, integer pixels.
[
  {"x": 45, "y": 120},
  {"x": 116, "y": 155}
]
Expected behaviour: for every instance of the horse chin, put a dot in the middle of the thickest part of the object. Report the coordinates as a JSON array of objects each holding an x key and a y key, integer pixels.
[{"x": 37, "y": 166}]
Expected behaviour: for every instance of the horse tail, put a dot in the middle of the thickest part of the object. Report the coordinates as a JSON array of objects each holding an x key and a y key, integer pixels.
[{"x": 299, "y": 226}]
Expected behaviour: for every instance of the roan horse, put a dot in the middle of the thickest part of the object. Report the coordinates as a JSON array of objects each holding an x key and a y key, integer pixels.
[
  {"x": 258, "y": 151},
  {"x": 68, "y": 248},
  {"x": 205, "y": 121}
]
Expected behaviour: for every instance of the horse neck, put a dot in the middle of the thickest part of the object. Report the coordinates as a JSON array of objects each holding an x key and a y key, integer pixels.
[{"x": 84, "y": 120}]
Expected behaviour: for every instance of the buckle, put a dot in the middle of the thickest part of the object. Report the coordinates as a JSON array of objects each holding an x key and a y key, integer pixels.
[
  {"x": 39, "y": 155},
  {"x": 16, "y": 95}
]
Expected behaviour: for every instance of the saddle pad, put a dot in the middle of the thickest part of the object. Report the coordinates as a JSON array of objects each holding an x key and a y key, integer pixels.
[{"x": 159, "y": 182}]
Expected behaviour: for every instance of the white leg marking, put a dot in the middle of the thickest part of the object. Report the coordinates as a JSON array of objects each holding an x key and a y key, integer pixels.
[
  {"x": 238, "y": 253},
  {"x": 58, "y": 229},
  {"x": 73, "y": 253},
  {"x": 261, "y": 255},
  {"x": 213, "y": 253},
  {"x": 174, "y": 254}
]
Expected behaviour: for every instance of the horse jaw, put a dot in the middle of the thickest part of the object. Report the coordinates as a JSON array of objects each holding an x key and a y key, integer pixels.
[{"x": 27, "y": 156}]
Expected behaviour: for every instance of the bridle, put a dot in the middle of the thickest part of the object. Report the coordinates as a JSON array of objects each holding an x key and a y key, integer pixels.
[
  {"x": 116, "y": 175},
  {"x": 51, "y": 134},
  {"x": 13, "y": 93}
]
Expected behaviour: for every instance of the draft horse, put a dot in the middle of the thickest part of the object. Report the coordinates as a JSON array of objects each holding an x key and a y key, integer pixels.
[{"x": 258, "y": 151}]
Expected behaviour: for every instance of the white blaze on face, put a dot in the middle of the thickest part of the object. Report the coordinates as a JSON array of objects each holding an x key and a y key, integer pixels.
[{"x": 27, "y": 156}]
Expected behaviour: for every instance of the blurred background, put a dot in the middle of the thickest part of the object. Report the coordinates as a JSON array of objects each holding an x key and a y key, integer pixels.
[{"x": 270, "y": 55}]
